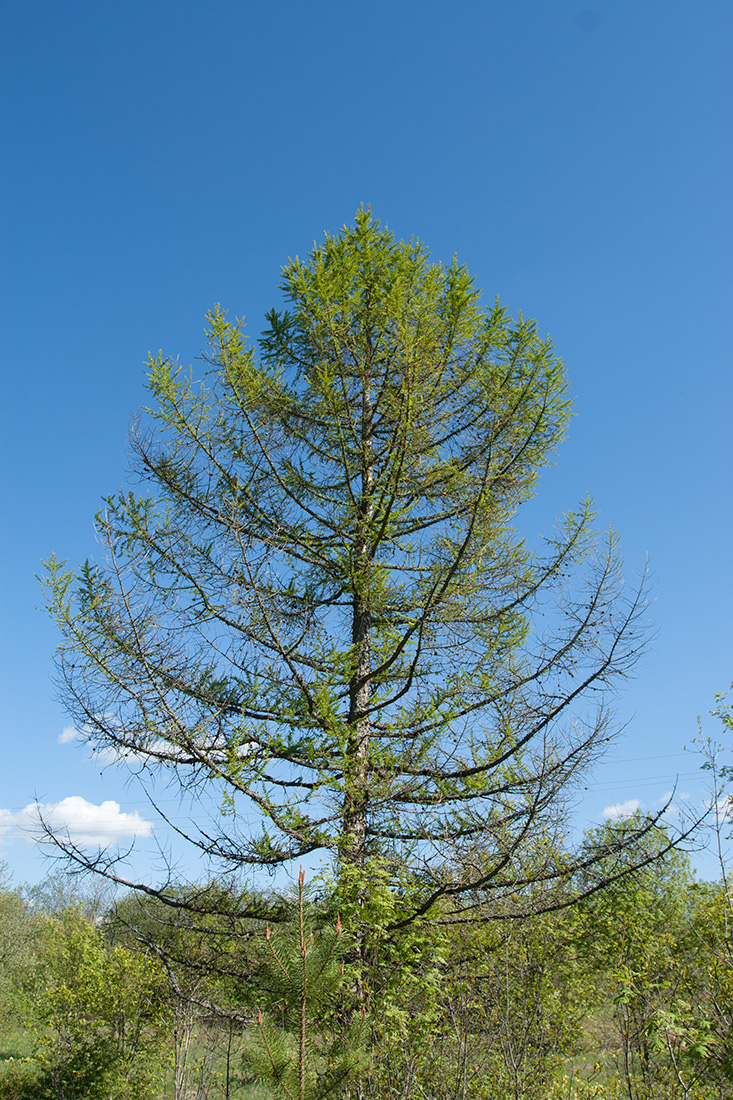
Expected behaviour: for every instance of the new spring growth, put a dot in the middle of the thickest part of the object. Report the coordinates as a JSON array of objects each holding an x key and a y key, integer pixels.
[
  {"x": 301, "y": 884},
  {"x": 274, "y": 953}
]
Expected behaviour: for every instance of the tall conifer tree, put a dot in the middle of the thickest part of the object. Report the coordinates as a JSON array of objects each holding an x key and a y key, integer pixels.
[{"x": 317, "y": 606}]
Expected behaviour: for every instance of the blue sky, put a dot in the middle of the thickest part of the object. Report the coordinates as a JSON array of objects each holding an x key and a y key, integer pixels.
[{"x": 159, "y": 157}]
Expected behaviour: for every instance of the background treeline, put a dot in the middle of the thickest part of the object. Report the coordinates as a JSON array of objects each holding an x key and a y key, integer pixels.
[{"x": 628, "y": 994}]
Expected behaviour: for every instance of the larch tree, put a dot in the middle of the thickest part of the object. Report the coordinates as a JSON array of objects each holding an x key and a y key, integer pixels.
[{"x": 316, "y": 605}]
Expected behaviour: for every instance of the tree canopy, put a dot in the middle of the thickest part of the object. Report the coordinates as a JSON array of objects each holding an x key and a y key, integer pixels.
[{"x": 316, "y": 603}]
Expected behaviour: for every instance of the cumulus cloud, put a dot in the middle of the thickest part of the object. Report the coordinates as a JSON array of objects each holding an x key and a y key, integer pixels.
[
  {"x": 722, "y": 807},
  {"x": 108, "y": 754},
  {"x": 116, "y": 754},
  {"x": 83, "y": 823},
  {"x": 620, "y": 810}
]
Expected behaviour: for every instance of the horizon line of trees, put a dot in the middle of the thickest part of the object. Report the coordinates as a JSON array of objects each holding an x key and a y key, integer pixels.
[{"x": 627, "y": 994}]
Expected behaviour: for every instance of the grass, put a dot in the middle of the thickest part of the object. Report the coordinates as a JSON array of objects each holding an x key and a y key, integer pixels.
[{"x": 15, "y": 1042}]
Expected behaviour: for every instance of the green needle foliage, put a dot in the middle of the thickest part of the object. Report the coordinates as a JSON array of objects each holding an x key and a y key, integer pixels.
[
  {"x": 316, "y": 605},
  {"x": 311, "y": 1051}
]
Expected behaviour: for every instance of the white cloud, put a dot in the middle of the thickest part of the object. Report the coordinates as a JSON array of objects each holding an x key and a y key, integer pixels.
[
  {"x": 723, "y": 809},
  {"x": 621, "y": 809},
  {"x": 104, "y": 754},
  {"x": 83, "y": 823},
  {"x": 673, "y": 810}
]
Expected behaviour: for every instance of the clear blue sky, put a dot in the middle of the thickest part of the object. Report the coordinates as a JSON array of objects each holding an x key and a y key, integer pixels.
[{"x": 159, "y": 157}]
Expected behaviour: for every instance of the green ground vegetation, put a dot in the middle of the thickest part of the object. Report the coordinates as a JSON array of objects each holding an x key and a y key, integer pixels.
[{"x": 627, "y": 994}]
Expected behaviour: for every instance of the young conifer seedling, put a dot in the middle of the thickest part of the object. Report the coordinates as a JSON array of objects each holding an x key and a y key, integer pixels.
[{"x": 312, "y": 1050}]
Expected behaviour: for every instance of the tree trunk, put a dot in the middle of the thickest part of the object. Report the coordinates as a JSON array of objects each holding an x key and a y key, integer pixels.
[{"x": 356, "y": 779}]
